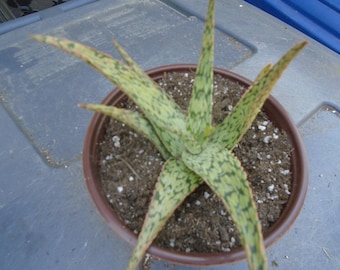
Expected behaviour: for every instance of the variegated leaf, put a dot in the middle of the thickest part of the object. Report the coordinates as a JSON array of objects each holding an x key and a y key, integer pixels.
[
  {"x": 131, "y": 63},
  {"x": 164, "y": 114},
  {"x": 263, "y": 72},
  {"x": 200, "y": 107},
  {"x": 134, "y": 120},
  {"x": 223, "y": 173},
  {"x": 231, "y": 130},
  {"x": 175, "y": 183},
  {"x": 142, "y": 75}
]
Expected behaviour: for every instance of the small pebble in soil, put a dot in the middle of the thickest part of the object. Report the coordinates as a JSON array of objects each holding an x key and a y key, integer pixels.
[
  {"x": 109, "y": 157},
  {"x": 284, "y": 172},
  {"x": 120, "y": 189},
  {"x": 286, "y": 189},
  {"x": 262, "y": 128},
  {"x": 224, "y": 236},
  {"x": 116, "y": 141},
  {"x": 206, "y": 195},
  {"x": 271, "y": 188},
  {"x": 272, "y": 197},
  {"x": 172, "y": 243},
  {"x": 267, "y": 139}
]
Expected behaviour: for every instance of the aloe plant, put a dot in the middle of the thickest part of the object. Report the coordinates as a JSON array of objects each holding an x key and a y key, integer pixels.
[{"x": 194, "y": 150}]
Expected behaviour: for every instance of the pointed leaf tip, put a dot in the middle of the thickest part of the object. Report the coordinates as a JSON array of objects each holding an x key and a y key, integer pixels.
[
  {"x": 243, "y": 114},
  {"x": 200, "y": 107}
]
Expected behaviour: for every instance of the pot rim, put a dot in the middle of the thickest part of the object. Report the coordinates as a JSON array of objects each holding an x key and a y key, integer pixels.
[{"x": 275, "y": 112}]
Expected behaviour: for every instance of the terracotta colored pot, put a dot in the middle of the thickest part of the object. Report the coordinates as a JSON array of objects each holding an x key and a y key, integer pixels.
[{"x": 275, "y": 112}]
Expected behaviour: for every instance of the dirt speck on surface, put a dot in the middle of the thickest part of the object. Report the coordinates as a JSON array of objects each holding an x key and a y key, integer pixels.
[{"x": 130, "y": 166}]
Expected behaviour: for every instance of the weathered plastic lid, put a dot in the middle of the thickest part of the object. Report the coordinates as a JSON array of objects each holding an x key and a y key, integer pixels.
[{"x": 320, "y": 19}]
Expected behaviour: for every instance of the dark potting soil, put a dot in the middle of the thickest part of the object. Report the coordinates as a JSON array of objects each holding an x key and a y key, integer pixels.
[{"x": 130, "y": 166}]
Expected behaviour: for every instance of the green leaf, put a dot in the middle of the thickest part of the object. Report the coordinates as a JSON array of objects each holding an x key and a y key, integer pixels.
[
  {"x": 175, "y": 183},
  {"x": 223, "y": 173},
  {"x": 164, "y": 114},
  {"x": 131, "y": 63},
  {"x": 263, "y": 72},
  {"x": 200, "y": 107},
  {"x": 236, "y": 124},
  {"x": 134, "y": 120}
]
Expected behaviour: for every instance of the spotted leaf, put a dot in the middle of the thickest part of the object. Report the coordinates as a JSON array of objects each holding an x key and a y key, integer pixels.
[
  {"x": 164, "y": 114},
  {"x": 134, "y": 120},
  {"x": 235, "y": 125},
  {"x": 223, "y": 173},
  {"x": 175, "y": 183},
  {"x": 131, "y": 63},
  {"x": 200, "y": 107}
]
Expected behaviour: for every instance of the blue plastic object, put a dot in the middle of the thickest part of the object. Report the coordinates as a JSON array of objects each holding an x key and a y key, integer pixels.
[{"x": 320, "y": 19}]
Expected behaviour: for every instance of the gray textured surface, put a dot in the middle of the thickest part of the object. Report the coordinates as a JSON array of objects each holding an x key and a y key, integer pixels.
[{"x": 47, "y": 220}]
